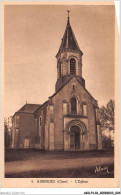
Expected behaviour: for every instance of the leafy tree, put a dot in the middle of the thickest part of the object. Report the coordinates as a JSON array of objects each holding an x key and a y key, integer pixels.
[
  {"x": 107, "y": 116},
  {"x": 107, "y": 123},
  {"x": 6, "y": 133},
  {"x": 107, "y": 143}
]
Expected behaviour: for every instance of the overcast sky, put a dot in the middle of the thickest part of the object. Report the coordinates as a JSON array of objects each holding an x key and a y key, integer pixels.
[{"x": 32, "y": 39}]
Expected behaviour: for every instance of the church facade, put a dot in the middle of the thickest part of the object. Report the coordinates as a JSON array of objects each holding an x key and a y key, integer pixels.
[{"x": 69, "y": 119}]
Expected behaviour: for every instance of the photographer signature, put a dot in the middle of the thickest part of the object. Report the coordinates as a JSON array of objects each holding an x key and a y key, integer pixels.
[{"x": 100, "y": 169}]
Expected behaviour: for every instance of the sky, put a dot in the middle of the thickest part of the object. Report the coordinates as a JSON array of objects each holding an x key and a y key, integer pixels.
[{"x": 32, "y": 37}]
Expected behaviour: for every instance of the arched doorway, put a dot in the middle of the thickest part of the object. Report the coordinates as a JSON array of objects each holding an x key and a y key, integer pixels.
[
  {"x": 75, "y": 137},
  {"x": 78, "y": 138}
]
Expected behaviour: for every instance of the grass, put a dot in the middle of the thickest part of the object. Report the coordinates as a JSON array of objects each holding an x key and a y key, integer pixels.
[{"x": 25, "y": 154}]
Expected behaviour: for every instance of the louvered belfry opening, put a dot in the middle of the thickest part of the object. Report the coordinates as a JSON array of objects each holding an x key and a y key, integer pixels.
[{"x": 72, "y": 66}]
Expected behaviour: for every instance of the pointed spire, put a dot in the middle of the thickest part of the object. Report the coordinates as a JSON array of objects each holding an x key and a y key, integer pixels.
[{"x": 69, "y": 41}]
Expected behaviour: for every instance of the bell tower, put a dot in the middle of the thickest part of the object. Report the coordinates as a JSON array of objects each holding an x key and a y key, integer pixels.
[{"x": 69, "y": 58}]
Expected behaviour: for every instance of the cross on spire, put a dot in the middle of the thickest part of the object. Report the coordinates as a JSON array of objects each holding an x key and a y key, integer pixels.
[
  {"x": 68, "y": 12},
  {"x": 68, "y": 15}
]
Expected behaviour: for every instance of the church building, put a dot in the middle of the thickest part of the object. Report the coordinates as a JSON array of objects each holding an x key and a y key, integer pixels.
[{"x": 69, "y": 119}]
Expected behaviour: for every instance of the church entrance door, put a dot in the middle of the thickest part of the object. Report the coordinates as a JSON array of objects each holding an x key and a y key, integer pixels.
[
  {"x": 75, "y": 137},
  {"x": 77, "y": 140}
]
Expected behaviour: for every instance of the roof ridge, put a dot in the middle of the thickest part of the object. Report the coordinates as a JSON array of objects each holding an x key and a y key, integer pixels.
[{"x": 32, "y": 104}]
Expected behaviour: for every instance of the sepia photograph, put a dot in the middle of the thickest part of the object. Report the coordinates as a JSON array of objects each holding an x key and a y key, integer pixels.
[{"x": 59, "y": 92}]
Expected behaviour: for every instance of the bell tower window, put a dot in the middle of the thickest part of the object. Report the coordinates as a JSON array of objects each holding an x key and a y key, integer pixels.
[
  {"x": 60, "y": 69},
  {"x": 72, "y": 66}
]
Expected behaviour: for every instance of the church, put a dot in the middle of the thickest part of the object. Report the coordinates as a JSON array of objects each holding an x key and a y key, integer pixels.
[{"x": 69, "y": 119}]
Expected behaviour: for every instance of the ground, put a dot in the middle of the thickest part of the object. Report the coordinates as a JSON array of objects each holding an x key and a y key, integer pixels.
[{"x": 33, "y": 163}]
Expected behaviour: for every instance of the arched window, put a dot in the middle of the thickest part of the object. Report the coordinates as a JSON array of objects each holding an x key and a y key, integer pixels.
[
  {"x": 72, "y": 66},
  {"x": 73, "y": 106},
  {"x": 60, "y": 69},
  {"x": 40, "y": 120},
  {"x": 73, "y": 87}
]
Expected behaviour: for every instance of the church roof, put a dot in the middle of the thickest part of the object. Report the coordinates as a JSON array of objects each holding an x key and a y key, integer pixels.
[
  {"x": 29, "y": 108},
  {"x": 69, "y": 41}
]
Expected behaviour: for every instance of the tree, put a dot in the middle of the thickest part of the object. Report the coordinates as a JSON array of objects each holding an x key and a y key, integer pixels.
[
  {"x": 107, "y": 142},
  {"x": 107, "y": 116},
  {"x": 6, "y": 133}
]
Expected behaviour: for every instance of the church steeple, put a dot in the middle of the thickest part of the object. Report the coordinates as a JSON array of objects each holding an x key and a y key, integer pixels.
[
  {"x": 69, "y": 58},
  {"x": 69, "y": 41}
]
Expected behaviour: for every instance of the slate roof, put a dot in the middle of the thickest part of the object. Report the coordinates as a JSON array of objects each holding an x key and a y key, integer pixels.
[
  {"x": 69, "y": 41},
  {"x": 29, "y": 108}
]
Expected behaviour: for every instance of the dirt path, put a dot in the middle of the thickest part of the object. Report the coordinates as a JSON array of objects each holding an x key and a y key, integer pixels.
[{"x": 54, "y": 164}]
